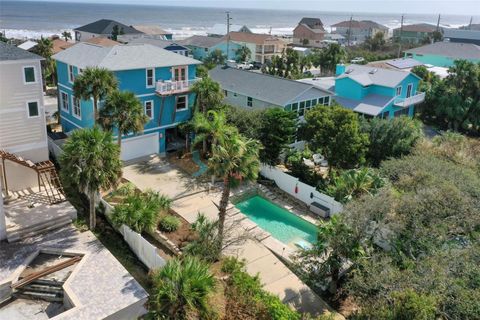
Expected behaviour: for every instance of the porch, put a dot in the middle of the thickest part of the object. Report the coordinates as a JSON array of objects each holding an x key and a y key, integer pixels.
[
  {"x": 417, "y": 98},
  {"x": 169, "y": 87}
]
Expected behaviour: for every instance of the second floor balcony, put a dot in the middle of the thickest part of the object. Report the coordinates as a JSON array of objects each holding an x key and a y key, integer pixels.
[
  {"x": 169, "y": 87},
  {"x": 418, "y": 97}
]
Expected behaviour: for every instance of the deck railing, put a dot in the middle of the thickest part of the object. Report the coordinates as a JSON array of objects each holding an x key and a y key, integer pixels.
[
  {"x": 172, "y": 87},
  {"x": 406, "y": 102}
]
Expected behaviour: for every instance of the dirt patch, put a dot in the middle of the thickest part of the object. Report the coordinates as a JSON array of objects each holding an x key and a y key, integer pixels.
[
  {"x": 185, "y": 162},
  {"x": 183, "y": 235}
]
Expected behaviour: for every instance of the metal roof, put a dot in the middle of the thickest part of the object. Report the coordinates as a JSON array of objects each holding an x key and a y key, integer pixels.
[
  {"x": 27, "y": 45},
  {"x": 372, "y": 104},
  {"x": 156, "y": 42},
  {"x": 274, "y": 90},
  {"x": 404, "y": 63},
  {"x": 367, "y": 75},
  {"x": 121, "y": 57},
  {"x": 105, "y": 26},
  {"x": 152, "y": 30},
  {"x": 462, "y": 34},
  {"x": 454, "y": 50},
  {"x": 10, "y": 52}
]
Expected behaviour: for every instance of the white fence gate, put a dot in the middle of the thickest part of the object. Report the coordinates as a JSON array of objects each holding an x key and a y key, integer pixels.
[{"x": 305, "y": 193}]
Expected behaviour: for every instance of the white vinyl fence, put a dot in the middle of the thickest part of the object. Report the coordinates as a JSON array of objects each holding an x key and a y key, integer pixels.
[
  {"x": 305, "y": 193},
  {"x": 144, "y": 250},
  {"x": 54, "y": 148}
]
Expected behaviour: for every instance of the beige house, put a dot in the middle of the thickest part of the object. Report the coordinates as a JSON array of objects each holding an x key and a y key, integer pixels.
[
  {"x": 309, "y": 32},
  {"x": 262, "y": 46}
]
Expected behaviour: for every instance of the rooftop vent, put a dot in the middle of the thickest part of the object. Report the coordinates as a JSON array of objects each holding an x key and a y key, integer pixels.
[{"x": 373, "y": 71}]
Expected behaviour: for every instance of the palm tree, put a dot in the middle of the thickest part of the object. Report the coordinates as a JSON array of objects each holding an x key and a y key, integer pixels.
[
  {"x": 124, "y": 111},
  {"x": 66, "y": 35},
  {"x": 212, "y": 126},
  {"x": 44, "y": 48},
  {"x": 182, "y": 285},
  {"x": 354, "y": 183},
  {"x": 243, "y": 54},
  {"x": 234, "y": 160},
  {"x": 91, "y": 161},
  {"x": 94, "y": 83}
]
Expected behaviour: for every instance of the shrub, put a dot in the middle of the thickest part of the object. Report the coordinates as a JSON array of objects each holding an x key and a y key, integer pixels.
[
  {"x": 169, "y": 223},
  {"x": 125, "y": 189},
  {"x": 140, "y": 211},
  {"x": 206, "y": 243}
]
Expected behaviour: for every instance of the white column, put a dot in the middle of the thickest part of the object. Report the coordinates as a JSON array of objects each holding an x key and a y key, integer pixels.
[{"x": 3, "y": 223}]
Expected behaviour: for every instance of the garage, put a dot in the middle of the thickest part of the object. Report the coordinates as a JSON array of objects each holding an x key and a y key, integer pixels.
[{"x": 139, "y": 146}]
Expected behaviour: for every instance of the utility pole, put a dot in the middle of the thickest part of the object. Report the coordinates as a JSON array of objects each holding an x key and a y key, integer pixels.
[
  {"x": 349, "y": 33},
  {"x": 470, "y": 24},
  {"x": 400, "y": 38},
  {"x": 228, "y": 33},
  {"x": 438, "y": 23}
]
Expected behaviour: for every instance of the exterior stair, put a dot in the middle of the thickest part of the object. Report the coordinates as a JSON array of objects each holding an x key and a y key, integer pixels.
[
  {"x": 41, "y": 289},
  {"x": 41, "y": 227}
]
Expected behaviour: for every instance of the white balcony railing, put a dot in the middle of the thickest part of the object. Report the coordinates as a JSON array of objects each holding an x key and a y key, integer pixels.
[
  {"x": 406, "y": 102},
  {"x": 167, "y": 87}
]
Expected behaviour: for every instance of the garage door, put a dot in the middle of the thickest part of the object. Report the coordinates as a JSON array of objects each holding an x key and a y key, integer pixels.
[{"x": 139, "y": 146}]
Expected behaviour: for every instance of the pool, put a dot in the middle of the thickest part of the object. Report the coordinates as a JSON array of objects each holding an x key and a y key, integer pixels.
[{"x": 280, "y": 223}]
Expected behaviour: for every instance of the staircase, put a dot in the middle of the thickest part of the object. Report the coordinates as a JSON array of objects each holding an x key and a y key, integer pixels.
[
  {"x": 47, "y": 290},
  {"x": 20, "y": 233}
]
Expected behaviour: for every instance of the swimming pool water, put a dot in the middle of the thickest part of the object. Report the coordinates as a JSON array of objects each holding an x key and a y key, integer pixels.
[{"x": 280, "y": 223}]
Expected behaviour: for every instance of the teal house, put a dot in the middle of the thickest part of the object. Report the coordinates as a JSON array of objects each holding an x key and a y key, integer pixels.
[
  {"x": 159, "y": 78},
  {"x": 201, "y": 46},
  {"x": 444, "y": 54},
  {"x": 377, "y": 92}
]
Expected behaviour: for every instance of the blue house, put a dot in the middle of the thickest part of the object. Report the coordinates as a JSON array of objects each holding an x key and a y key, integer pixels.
[
  {"x": 160, "y": 79},
  {"x": 202, "y": 46},
  {"x": 372, "y": 91}
]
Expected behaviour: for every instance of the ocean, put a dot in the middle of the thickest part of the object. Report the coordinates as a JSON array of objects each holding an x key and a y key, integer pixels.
[{"x": 23, "y": 19}]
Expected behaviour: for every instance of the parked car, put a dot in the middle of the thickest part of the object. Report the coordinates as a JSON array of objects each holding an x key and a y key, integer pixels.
[
  {"x": 244, "y": 66},
  {"x": 357, "y": 60},
  {"x": 257, "y": 65}
]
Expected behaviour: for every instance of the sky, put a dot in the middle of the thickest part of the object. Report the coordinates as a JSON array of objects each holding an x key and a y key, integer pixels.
[{"x": 461, "y": 7}]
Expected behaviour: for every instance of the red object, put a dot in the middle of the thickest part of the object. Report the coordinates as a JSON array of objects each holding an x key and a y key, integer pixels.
[{"x": 296, "y": 188}]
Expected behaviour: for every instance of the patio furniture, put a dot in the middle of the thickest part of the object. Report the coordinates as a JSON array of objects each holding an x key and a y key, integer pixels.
[{"x": 319, "y": 209}]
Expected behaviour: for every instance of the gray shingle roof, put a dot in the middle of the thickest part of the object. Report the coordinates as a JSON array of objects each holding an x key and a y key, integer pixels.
[
  {"x": 312, "y": 23},
  {"x": 372, "y": 104},
  {"x": 367, "y": 75},
  {"x": 200, "y": 41},
  {"x": 155, "y": 42},
  {"x": 105, "y": 26},
  {"x": 461, "y": 34},
  {"x": 121, "y": 57},
  {"x": 10, "y": 52},
  {"x": 449, "y": 49},
  {"x": 274, "y": 90}
]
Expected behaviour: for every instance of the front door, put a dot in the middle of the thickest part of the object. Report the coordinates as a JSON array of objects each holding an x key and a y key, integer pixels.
[
  {"x": 409, "y": 90},
  {"x": 179, "y": 74}
]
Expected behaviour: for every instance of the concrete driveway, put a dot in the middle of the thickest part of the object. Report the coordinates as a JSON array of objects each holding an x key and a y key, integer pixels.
[{"x": 158, "y": 174}]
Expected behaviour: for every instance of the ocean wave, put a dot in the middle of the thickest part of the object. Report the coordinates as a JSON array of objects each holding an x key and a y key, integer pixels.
[{"x": 32, "y": 34}]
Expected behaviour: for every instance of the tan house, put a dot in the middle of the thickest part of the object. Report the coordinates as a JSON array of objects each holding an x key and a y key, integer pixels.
[
  {"x": 262, "y": 46},
  {"x": 309, "y": 32},
  {"x": 356, "y": 31}
]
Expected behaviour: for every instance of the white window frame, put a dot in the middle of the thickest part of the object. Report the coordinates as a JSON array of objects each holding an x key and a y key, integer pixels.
[
  {"x": 78, "y": 116},
  {"x": 151, "y": 106},
  {"x": 71, "y": 74},
  {"x": 180, "y": 68},
  {"x": 410, "y": 85},
  {"x": 398, "y": 93},
  {"x": 250, "y": 103},
  {"x": 186, "y": 103},
  {"x": 34, "y": 75},
  {"x": 28, "y": 109},
  {"x": 153, "y": 78},
  {"x": 67, "y": 109}
]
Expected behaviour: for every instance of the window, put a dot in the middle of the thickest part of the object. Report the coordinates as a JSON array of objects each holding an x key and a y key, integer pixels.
[
  {"x": 409, "y": 90},
  {"x": 32, "y": 109},
  {"x": 71, "y": 75},
  {"x": 399, "y": 90},
  {"x": 64, "y": 101},
  {"x": 314, "y": 102},
  {"x": 326, "y": 101},
  {"x": 234, "y": 94},
  {"x": 321, "y": 101},
  {"x": 77, "y": 112},
  {"x": 307, "y": 104},
  {"x": 225, "y": 93},
  {"x": 301, "y": 111},
  {"x": 182, "y": 103},
  {"x": 29, "y": 75},
  {"x": 288, "y": 107},
  {"x": 180, "y": 74},
  {"x": 249, "y": 102},
  {"x": 150, "y": 78},
  {"x": 149, "y": 109},
  {"x": 295, "y": 106}
]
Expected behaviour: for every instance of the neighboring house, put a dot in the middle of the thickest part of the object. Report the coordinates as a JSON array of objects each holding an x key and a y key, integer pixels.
[
  {"x": 253, "y": 90},
  {"x": 60, "y": 45},
  {"x": 333, "y": 38},
  {"x": 472, "y": 26},
  {"x": 443, "y": 54},
  {"x": 462, "y": 36},
  {"x": 160, "y": 79},
  {"x": 309, "y": 32},
  {"x": 356, "y": 31},
  {"x": 377, "y": 92},
  {"x": 414, "y": 33},
  {"x": 219, "y": 30},
  {"x": 262, "y": 46},
  {"x": 155, "y": 31},
  {"x": 102, "y": 28},
  {"x": 28, "y": 45},
  {"x": 407, "y": 64},
  {"x": 22, "y": 117},
  {"x": 202, "y": 46},
  {"x": 104, "y": 42},
  {"x": 164, "y": 44}
]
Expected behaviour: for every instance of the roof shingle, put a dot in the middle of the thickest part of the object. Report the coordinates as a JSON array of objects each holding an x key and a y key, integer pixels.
[
  {"x": 10, "y": 52},
  {"x": 105, "y": 26},
  {"x": 454, "y": 50}
]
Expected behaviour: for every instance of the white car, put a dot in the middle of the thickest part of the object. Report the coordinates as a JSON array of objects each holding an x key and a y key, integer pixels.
[
  {"x": 244, "y": 66},
  {"x": 357, "y": 60}
]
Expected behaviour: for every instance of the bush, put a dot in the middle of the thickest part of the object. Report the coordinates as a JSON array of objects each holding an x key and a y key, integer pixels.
[
  {"x": 140, "y": 211},
  {"x": 169, "y": 223},
  {"x": 125, "y": 189},
  {"x": 206, "y": 243}
]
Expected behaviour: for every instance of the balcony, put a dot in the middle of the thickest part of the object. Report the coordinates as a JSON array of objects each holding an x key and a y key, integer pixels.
[
  {"x": 168, "y": 87},
  {"x": 406, "y": 102}
]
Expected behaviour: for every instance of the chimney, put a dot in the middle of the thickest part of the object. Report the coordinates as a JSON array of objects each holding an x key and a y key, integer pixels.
[{"x": 339, "y": 69}]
